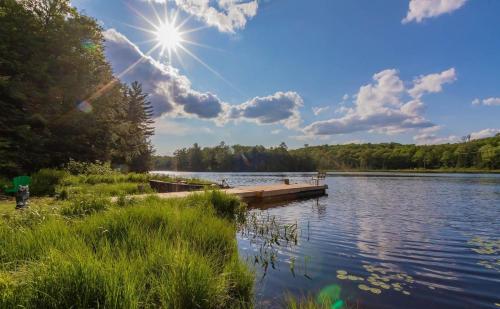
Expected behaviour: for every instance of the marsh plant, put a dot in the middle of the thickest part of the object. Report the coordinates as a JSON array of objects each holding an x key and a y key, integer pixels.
[
  {"x": 267, "y": 235},
  {"x": 87, "y": 252}
]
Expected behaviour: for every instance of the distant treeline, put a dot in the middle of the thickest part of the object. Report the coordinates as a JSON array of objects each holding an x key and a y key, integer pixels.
[
  {"x": 477, "y": 154},
  {"x": 58, "y": 96}
]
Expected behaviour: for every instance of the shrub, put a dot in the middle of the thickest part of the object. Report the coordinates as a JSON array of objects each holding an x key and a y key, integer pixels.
[
  {"x": 45, "y": 181},
  {"x": 4, "y": 182},
  {"x": 86, "y": 168},
  {"x": 85, "y": 205}
]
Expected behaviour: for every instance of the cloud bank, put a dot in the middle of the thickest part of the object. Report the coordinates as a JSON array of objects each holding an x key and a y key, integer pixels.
[
  {"x": 421, "y": 9},
  {"x": 171, "y": 93},
  {"x": 225, "y": 15},
  {"x": 484, "y": 133},
  {"x": 386, "y": 105},
  {"x": 487, "y": 102}
]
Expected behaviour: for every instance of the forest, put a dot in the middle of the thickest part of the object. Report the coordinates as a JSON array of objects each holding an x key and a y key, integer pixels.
[
  {"x": 59, "y": 99},
  {"x": 480, "y": 154}
]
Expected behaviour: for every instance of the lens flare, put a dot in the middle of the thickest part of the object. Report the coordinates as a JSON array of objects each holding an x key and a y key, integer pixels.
[{"x": 85, "y": 107}]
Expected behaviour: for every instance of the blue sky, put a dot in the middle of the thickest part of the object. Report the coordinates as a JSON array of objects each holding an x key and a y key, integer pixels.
[{"x": 315, "y": 72}]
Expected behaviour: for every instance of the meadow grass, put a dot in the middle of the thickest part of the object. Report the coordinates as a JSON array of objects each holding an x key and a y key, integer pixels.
[{"x": 88, "y": 253}]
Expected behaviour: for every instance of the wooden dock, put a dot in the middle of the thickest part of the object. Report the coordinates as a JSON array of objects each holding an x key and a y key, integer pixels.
[{"x": 265, "y": 193}]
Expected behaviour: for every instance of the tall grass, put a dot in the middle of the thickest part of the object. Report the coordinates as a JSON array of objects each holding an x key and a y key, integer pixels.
[
  {"x": 45, "y": 181},
  {"x": 178, "y": 253}
]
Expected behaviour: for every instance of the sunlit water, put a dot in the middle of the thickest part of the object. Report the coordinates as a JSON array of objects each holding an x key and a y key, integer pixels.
[{"x": 424, "y": 241}]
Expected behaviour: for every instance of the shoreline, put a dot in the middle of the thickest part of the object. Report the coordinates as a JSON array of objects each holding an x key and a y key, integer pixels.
[
  {"x": 414, "y": 171},
  {"x": 420, "y": 171}
]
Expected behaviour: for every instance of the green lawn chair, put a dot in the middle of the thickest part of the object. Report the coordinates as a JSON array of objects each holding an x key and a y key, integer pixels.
[{"x": 16, "y": 182}]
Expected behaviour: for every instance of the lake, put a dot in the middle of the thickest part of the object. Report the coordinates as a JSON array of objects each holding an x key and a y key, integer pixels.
[{"x": 381, "y": 240}]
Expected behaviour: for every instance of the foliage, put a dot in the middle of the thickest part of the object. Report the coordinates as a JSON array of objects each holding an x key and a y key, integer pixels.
[
  {"x": 152, "y": 253},
  {"x": 227, "y": 206},
  {"x": 85, "y": 205},
  {"x": 393, "y": 156},
  {"x": 235, "y": 158},
  {"x": 476, "y": 154},
  {"x": 87, "y": 168},
  {"x": 45, "y": 181},
  {"x": 58, "y": 96}
]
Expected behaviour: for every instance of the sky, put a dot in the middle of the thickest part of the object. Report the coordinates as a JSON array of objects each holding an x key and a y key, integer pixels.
[{"x": 312, "y": 72}]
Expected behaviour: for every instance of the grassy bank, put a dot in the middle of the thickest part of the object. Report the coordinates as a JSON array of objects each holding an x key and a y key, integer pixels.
[
  {"x": 74, "y": 248},
  {"x": 88, "y": 253}
]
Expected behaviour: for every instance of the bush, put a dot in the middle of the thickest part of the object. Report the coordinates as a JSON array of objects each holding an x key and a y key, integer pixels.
[
  {"x": 45, "y": 181},
  {"x": 85, "y": 205},
  {"x": 4, "y": 183},
  {"x": 87, "y": 168}
]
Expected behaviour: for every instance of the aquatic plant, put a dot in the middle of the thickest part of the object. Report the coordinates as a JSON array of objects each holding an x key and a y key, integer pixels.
[
  {"x": 267, "y": 235},
  {"x": 380, "y": 278}
]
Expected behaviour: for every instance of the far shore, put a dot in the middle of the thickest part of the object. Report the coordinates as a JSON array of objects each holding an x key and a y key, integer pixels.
[
  {"x": 422, "y": 171},
  {"x": 415, "y": 171}
]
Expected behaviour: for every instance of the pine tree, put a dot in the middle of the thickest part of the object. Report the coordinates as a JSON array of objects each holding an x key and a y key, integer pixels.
[{"x": 140, "y": 119}]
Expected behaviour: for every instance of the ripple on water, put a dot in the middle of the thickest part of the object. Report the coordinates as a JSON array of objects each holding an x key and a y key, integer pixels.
[{"x": 441, "y": 230}]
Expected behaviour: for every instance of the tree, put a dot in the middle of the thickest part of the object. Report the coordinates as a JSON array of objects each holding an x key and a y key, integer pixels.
[
  {"x": 58, "y": 96},
  {"x": 195, "y": 159}
]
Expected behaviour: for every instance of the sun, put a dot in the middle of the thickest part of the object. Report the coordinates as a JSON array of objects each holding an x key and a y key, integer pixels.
[{"x": 169, "y": 37}]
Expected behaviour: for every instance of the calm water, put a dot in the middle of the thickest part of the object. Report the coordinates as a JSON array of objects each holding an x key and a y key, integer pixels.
[{"x": 428, "y": 241}]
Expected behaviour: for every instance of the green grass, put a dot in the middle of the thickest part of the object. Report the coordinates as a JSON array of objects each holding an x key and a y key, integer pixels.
[
  {"x": 88, "y": 253},
  {"x": 112, "y": 184}
]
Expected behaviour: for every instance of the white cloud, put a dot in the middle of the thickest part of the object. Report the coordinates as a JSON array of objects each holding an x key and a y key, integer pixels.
[
  {"x": 380, "y": 106},
  {"x": 171, "y": 93},
  {"x": 318, "y": 110},
  {"x": 432, "y": 83},
  {"x": 345, "y": 97},
  {"x": 281, "y": 107},
  {"x": 428, "y": 136},
  {"x": 225, "y": 15},
  {"x": 277, "y": 131},
  {"x": 420, "y": 9},
  {"x": 309, "y": 138},
  {"x": 488, "y": 102},
  {"x": 484, "y": 133}
]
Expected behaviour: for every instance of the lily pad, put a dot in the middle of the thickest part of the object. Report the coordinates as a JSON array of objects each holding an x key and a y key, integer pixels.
[
  {"x": 363, "y": 287},
  {"x": 375, "y": 291}
]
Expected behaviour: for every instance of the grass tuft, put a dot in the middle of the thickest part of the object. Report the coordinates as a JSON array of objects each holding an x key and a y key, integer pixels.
[{"x": 177, "y": 253}]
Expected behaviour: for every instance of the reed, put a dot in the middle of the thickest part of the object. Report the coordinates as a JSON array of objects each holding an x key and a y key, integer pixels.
[{"x": 89, "y": 253}]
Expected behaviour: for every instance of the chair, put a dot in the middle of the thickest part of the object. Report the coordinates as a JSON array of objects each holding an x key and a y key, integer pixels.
[
  {"x": 16, "y": 182},
  {"x": 316, "y": 179}
]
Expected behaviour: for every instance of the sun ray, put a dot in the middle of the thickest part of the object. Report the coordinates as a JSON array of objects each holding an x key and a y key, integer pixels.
[
  {"x": 158, "y": 18},
  {"x": 194, "y": 30},
  {"x": 171, "y": 38},
  {"x": 138, "y": 28},
  {"x": 203, "y": 45},
  {"x": 208, "y": 67},
  {"x": 142, "y": 16},
  {"x": 107, "y": 86}
]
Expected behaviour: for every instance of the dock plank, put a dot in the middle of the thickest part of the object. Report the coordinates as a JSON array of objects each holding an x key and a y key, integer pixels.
[{"x": 261, "y": 192}]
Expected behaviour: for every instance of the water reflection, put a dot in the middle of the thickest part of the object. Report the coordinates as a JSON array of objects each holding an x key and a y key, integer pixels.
[{"x": 436, "y": 237}]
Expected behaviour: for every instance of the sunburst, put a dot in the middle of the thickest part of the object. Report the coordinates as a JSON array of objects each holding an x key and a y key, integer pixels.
[{"x": 169, "y": 37}]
